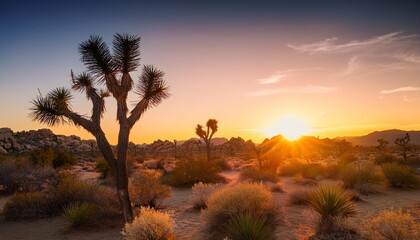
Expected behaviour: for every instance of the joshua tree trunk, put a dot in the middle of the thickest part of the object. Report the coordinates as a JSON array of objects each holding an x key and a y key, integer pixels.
[{"x": 208, "y": 150}]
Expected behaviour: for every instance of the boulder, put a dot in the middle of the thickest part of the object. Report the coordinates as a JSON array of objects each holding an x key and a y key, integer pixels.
[{"x": 2, "y": 151}]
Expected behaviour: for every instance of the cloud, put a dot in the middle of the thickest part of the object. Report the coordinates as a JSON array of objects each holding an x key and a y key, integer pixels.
[
  {"x": 401, "y": 89},
  {"x": 352, "y": 66},
  {"x": 330, "y": 45},
  {"x": 410, "y": 58},
  {"x": 275, "y": 78},
  {"x": 302, "y": 90}
]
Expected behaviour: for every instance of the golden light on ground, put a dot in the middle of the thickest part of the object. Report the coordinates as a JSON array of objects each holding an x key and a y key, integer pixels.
[{"x": 290, "y": 127}]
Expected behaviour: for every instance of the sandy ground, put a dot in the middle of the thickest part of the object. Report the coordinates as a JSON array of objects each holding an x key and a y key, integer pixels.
[{"x": 298, "y": 221}]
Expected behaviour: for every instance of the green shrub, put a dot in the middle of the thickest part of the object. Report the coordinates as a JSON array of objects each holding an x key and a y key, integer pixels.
[
  {"x": 80, "y": 214},
  {"x": 360, "y": 176},
  {"x": 331, "y": 203},
  {"x": 400, "y": 176},
  {"x": 150, "y": 225},
  {"x": 189, "y": 172},
  {"x": 385, "y": 158},
  {"x": 259, "y": 175},
  {"x": 146, "y": 189},
  {"x": 245, "y": 227},
  {"x": 49, "y": 156},
  {"x": 243, "y": 198},
  {"x": 393, "y": 225},
  {"x": 201, "y": 192},
  {"x": 298, "y": 197},
  {"x": 28, "y": 206},
  {"x": 101, "y": 167}
]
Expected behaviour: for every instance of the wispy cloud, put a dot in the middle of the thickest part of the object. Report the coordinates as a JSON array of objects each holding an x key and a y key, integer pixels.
[
  {"x": 352, "y": 66},
  {"x": 302, "y": 90},
  {"x": 275, "y": 78},
  {"x": 331, "y": 45},
  {"x": 410, "y": 58},
  {"x": 401, "y": 89}
]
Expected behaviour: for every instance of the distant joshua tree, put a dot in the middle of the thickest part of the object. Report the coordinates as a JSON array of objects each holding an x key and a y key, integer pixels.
[
  {"x": 175, "y": 145},
  {"x": 382, "y": 144},
  {"x": 112, "y": 70},
  {"x": 208, "y": 134},
  {"x": 403, "y": 143}
]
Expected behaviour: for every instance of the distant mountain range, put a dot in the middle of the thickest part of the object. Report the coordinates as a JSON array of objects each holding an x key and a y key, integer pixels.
[{"x": 389, "y": 135}]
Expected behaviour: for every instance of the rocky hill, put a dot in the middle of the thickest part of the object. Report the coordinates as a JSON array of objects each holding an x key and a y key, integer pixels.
[{"x": 371, "y": 139}]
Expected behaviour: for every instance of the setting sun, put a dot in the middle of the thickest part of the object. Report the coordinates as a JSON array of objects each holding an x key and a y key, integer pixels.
[{"x": 290, "y": 127}]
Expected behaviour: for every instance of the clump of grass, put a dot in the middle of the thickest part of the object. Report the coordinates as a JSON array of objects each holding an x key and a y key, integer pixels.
[
  {"x": 28, "y": 206},
  {"x": 151, "y": 225},
  {"x": 393, "y": 225},
  {"x": 54, "y": 157},
  {"x": 276, "y": 187},
  {"x": 259, "y": 175},
  {"x": 400, "y": 176},
  {"x": 384, "y": 158},
  {"x": 146, "y": 189},
  {"x": 331, "y": 203},
  {"x": 80, "y": 214},
  {"x": 361, "y": 177},
  {"x": 299, "y": 197},
  {"x": 201, "y": 192},
  {"x": 192, "y": 171},
  {"x": 245, "y": 226},
  {"x": 244, "y": 198}
]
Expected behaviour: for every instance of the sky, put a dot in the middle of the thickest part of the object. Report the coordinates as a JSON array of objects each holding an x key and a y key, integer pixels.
[{"x": 343, "y": 67}]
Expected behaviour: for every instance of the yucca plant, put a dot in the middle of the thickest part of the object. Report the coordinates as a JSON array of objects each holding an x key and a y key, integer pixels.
[
  {"x": 79, "y": 214},
  {"x": 248, "y": 227},
  {"x": 331, "y": 203}
]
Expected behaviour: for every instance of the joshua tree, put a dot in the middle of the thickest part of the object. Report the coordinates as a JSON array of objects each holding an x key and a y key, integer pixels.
[
  {"x": 175, "y": 145},
  {"x": 404, "y": 144},
  {"x": 112, "y": 70},
  {"x": 208, "y": 134},
  {"x": 382, "y": 144}
]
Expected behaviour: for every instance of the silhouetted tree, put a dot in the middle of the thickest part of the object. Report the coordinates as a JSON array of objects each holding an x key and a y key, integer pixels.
[
  {"x": 403, "y": 143},
  {"x": 112, "y": 70},
  {"x": 208, "y": 134},
  {"x": 382, "y": 144},
  {"x": 175, "y": 145}
]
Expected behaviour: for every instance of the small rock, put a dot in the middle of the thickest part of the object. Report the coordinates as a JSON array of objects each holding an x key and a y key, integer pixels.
[{"x": 2, "y": 150}]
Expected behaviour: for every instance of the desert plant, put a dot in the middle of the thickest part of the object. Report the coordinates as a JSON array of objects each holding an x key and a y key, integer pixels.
[
  {"x": 299, "y": 197},
  {"x": 113, "y": 71},
  {"x": 384, "y": 158},
  {"x": 404, "y": 144},
  {"x": 276, "y": 187},
  {"x": 42, "y": 156},
  {"x": 200, "y": 194},
  {"x": 243, "y": 198},
  {"x": 30, "y": 205},
  {"x": 147, "y": 190},
  {"x": 248, "y": 227},
  {"x": 259, "y": 174},
  {"x": 150, "y": 225},
  {"x": 80, "y": 214},
  {"x": 400, "y": 176},
  {"x": 359, "y": 176},
  {"x": 393, "y": 225},
  {"x": 346, "y": 158},
  {"x": 331, "y": 203},
  {"x": 206, "y": 135},
  {"x": 191, "y": 171}
]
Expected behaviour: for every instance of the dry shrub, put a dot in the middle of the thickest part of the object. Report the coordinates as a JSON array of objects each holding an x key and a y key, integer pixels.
[
  {"x": 360, "y": 177},
  {"x": 384, "y": 158},
  {"x": 301, "y": 180},
  {"x": 243, "y": 198},
  {"x": 400, "y": 176},
  {"x": 276, "y": 187},
  {"x": 299, "y": 197},
  {"x": 150, "y": 225},
  {"x": 259, "y": 175},
  {"x": 393, "y": 225},
  {"x": 28, "y": 206},
  {"x": 146, "y": 189},
  {"x": 201, "y": 192}
]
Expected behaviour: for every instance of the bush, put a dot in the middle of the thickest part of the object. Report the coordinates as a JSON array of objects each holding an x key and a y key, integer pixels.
[
  {"x": 276, "y": 187},
  {"x": 150, "y": 225},
  {"x": 20, "y": 175},
  {"x": 189, "y": 172},
  {"x": 393, "y": 225},
  {"x": 360, "y": 177},
  {"x": 346, "y": 158},
  {"x": 80, "y": 214},
  {"x": 28, "y": 206},
  {"x": 201, "y": 192},
  {"x": 243, "y": 198},
  {"x": 400, "y": 176},
  {"x": 49, "y": 156},
  {"x": 385, "y": 158},
  {"x": 146, "y": 189},
  {"x": 299, "y": 197},
  {"x": 259, "y": 175},
  {"x": 331, "y": 203},
  {"x": 245, "y": 226}
]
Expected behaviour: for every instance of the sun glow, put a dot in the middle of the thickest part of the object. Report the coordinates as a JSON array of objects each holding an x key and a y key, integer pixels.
[{"x": 290, "y": 127}]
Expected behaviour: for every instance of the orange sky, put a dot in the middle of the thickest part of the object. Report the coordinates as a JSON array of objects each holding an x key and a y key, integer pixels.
[{"x": 341, "y": 78}]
